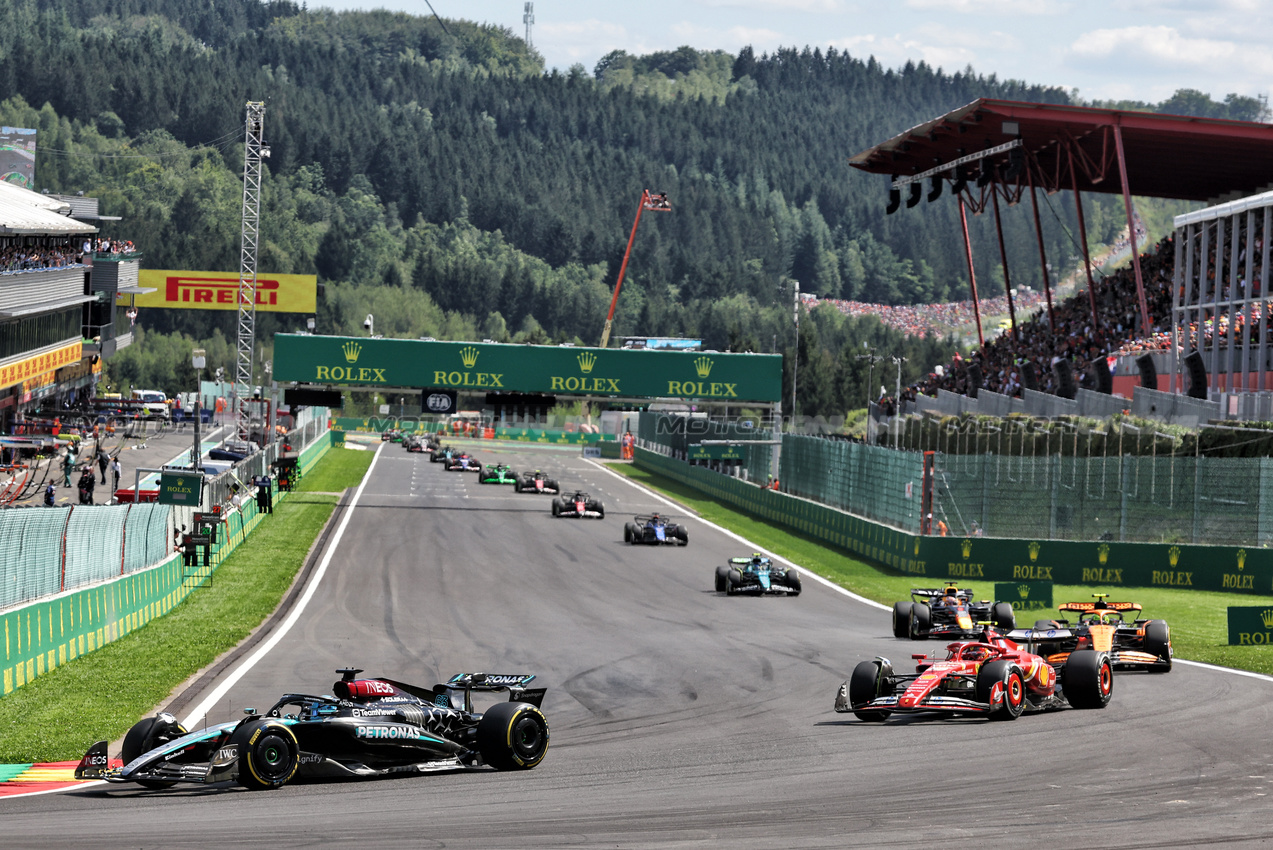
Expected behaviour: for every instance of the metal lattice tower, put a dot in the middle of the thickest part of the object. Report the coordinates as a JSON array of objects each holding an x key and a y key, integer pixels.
[
  {"x": 528, "y": 19},
  {"x": 254, "y": 151}
]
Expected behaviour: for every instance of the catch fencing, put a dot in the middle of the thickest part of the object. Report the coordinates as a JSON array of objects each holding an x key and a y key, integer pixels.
[{"x": 1073, "y": 487}]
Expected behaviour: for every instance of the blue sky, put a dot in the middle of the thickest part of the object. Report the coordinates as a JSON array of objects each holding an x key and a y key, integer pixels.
[{"x": 1136, "y": 49}]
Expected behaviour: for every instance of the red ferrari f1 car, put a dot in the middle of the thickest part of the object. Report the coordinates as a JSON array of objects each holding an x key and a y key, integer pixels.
[{"x": 992, "y": 676}]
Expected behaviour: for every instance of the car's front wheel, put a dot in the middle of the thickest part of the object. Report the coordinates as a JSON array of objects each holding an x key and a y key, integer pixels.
[
  {"x": 269, "y": 756},
  {"x": 147, "y": 734},
  {"x": 869, "y": 681},
  {"x": 1005, "y": 675}
]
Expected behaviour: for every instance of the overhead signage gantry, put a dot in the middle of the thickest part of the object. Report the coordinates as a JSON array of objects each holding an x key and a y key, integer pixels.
[{"x": 489, "y": 367}]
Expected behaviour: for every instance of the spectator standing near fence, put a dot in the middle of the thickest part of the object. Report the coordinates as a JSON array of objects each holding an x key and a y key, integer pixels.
[
  {"x": 116, "y": 471},
  {"x": 103, "y": 461}
]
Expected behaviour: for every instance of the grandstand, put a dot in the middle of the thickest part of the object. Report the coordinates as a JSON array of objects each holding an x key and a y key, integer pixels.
[{"x": 1202, "y": 336}]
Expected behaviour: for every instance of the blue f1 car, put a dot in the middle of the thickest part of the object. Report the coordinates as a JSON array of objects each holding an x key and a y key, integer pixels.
[{"x": 654, "y": 530}]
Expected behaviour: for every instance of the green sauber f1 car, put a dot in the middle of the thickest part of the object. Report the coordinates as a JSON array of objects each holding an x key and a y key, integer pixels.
[{"x": 497, "y": 473}]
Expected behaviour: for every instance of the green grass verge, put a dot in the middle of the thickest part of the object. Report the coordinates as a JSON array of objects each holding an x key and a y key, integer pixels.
[
  {"x": 1198, "y": 620},
  {"x": 99, "y": 695}
]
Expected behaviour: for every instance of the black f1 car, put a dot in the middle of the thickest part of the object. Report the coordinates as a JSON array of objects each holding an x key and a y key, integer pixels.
[
  {"x": 442, "y": 454},
  {"x": 948, "y": 612},
  {"x": 370, "y": 727},
  {"x": 536, "y": 482},
  {"x": 756, "y": 575},
  {"x": 654, "y": 529},
  {"x": 1104, "y": 626},
  {"x": 579, "y": 504}
]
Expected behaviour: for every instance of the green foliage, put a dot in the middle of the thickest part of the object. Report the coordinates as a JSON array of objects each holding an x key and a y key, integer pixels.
[{"x": 438, "y": 179}]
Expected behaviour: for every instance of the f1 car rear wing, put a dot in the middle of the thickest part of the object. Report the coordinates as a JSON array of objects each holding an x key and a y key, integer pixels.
[
  {"x": 642, "y": 519},
  {"x": 1030, "y": 637},
  {"x": 1099, "y": 606},
  {"x": 514, "y": 683},
  {"x": 964, "y": 593}
]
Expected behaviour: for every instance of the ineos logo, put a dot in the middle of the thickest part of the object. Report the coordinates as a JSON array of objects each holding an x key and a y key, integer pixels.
[{"x": 438, "y": 402}]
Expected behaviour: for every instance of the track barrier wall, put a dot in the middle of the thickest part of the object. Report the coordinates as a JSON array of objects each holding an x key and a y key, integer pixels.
[
  {"x": 125, "y": 552},
  {"x": 967, "y": 559}
]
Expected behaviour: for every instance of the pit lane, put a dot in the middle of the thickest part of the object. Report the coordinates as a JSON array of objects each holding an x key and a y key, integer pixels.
[{"x": 679, "y": 717}]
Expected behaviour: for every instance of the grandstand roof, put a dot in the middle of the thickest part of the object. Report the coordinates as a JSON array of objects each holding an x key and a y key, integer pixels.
[
  {"x": 1168, "y": 156},
  {"x": 29, "y": 213}
]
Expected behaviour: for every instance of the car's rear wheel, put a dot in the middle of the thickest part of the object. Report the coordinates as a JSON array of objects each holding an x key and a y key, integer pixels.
[
  {"x": 722, "y": 578},
  {"x": 556, "y": 508},
  {"x": 869, "y": 681},
  {"x": 512, "y": 736},
  {"x": 920, "y": 622},
  {"x": 1003, "y": 680},
  {"x": 601, "y": 512},
  {"x": 733, "y": 580},
  {"x": 145, "y": 736},
  {"x": 627, "y": 533},
  {"x": 682, "y": 535},
  {"x": 1087, "y": 679},
  {"x": 1158, "y": 642},
  {"x": 269, "y": 757},
  {"x": 1004, "y": 617},
  {"x": 901, "y": 619}
]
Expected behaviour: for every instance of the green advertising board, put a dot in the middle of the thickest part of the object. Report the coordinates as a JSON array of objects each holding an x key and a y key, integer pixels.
[
  {"x": 490, "y": 367},
  {"x": 1025, "y": 596},
  {"x": 1250, "y": 625},
  {"x": 180, "y": 488},
  {"x": 701, "y": 452}
]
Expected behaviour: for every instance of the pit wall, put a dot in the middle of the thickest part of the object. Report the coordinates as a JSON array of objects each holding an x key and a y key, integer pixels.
[
  {"x": 44, "y": 635},
  {"x": 1106, "y": 565}
]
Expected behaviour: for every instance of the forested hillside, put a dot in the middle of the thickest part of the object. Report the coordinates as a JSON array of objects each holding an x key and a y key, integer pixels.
[{"x": 438, "y": 178}]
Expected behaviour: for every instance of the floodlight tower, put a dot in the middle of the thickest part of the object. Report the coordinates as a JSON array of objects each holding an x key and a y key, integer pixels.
[{"x": 254, "y": 150}]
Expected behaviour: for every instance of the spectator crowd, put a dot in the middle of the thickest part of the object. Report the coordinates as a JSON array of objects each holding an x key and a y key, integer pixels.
[{"x": 17, "y": 257}]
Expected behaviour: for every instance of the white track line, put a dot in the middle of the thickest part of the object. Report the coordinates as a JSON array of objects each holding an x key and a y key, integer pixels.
[
  {"x": 201, "y": 710},
  {"x": 750, "y": 545}
]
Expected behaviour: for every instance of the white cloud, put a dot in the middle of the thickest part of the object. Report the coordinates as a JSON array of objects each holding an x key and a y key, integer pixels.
[
  {"x": 991, "y": 7},
  {"x": 1165, "y": 47},
  {"x": 775, "y": 5},
  {"x": 582, "y": 41},
  {"x": 731, "y": 38}
]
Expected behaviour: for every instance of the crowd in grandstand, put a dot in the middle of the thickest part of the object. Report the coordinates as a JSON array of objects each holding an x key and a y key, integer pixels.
[
  {"x": 22, "y": 258},
  {"x": 1074, "y": 337},
  {"x": 923, "y": 320}
]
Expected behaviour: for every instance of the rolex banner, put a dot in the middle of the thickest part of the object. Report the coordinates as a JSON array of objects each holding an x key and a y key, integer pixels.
[
  {"x": 1250, "y": 625},
  {"x": 1026, "y": 596},
  {"x": 552, "y": 370}
]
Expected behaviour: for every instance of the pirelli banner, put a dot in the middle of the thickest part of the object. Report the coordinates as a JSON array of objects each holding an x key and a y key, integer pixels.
[
  {"x": 552, "y": 370},
  {"x": 189, "y": 290}
]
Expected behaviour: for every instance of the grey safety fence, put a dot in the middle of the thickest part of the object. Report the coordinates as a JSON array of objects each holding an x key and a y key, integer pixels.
[
  {"x": 1218, "y": 501},
  {"x": 50, "y": 550},
  {"x": 868, "y": 481},
  {"x": 673, "y": 435}
]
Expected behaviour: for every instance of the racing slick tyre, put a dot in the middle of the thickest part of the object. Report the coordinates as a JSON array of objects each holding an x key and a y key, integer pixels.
[
  {"x": 268, "y": 757},
  {"x": 556, "y": 508},
  {"x": 601, "y": 511},
  {"x": 1088, "y": 679},
  {"x": 512, "y": 736},
  {"x": 733, "y": 581},
  {"x": 793, "y": 582},
  {"x": 1004, "y": 617},
  {"x": 920, "y": 622},
  {"x": 1158, "y": 642},
  {"x": 682, "y": 536},
  {"x": 517, "y": 486},
  {"x": 145, "y": 736},
  {"x": 870, "y": 679},
  {"x": 1005, "y": 677},
  {"x": 629, "y": 533},
  {"x": 901, "y": 619},
  {"x": 722, "y": 578}
]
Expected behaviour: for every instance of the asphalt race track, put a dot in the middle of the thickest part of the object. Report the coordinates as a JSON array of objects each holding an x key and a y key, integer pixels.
[{"x": 679, "y": 717}]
